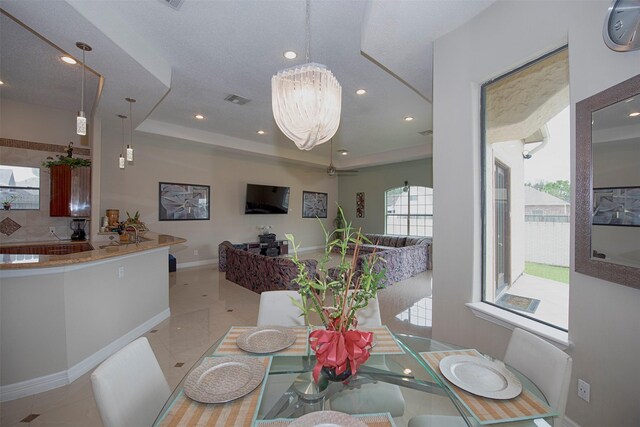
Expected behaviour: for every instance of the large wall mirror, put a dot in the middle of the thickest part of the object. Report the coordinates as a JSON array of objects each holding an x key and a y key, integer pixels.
[{"x": 608, "y": 184}]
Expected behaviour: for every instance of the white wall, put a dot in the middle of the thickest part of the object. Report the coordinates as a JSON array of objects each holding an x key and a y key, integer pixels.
[
  {"x": 171, "y": 160},
  {"x": 603, "y": 317},
  {"x": 374, "y": 181}
]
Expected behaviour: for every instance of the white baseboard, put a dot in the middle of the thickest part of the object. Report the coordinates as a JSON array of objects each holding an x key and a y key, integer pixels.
[
  {"x": 568, "y": 422},
  {"x": 310, "y": 249},
  {"x": 59, "y": 379},
  {"x": 211, "y": 261}
]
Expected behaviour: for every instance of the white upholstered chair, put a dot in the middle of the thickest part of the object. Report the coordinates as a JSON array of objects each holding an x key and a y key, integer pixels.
[
  {"x": 543, "y": 363},
  {"x": 276, "y": 308},
  {"x": 371, "y": 398},
  {"x": 129, "y": 387},
  {"x": 370, "y": 315}
]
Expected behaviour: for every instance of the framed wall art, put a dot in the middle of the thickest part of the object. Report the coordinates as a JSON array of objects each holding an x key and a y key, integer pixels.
[
  {"x": 183, "y": 202},
  {"x": 359, "y": 205},
  {"x": 314, "y": 204}
]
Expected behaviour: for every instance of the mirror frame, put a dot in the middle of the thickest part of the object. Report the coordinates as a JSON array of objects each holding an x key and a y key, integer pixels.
[{"x": 584, "y": 263}]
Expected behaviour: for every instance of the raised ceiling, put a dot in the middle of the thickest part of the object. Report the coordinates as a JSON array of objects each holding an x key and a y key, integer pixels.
[{"x": 179, "y": 63}]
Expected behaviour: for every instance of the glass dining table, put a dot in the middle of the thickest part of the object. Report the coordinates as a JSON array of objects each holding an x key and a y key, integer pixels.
[{"x": 402, "y": 386}]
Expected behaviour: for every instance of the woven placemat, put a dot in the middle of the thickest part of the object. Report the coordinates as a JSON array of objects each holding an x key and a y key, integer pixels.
[
  {"x": 372, "y": 420},
  {"x": 384, "y": 341},
  {"x": 237, "y": 413},
  {"x": 526, "y": 406},
  {"x": 228, "y": 346}
]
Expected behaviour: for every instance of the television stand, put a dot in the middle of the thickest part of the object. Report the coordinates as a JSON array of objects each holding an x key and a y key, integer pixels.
[{"x": 275, "y": 248}]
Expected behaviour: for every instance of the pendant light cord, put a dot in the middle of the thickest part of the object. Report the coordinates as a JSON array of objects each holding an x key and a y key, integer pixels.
[
  {"x": 130, "y": 126},
  {"x": 82, "y": 90},
  {"x": 308, "y": 31},
  {"x": 122, "y": 149}
]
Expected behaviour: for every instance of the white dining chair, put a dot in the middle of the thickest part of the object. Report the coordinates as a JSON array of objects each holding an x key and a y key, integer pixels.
[
  {"x": 543, "y": 363},
  {"x": 371, "y": 398},
  {"x": 277, "y": 309},
  {"x": 369, "y": 317},
  {"x": 129, "y": 387}
]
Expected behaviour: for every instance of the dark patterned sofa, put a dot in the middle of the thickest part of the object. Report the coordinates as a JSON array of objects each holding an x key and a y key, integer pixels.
[
  {"x": 403, "y": 256},
  {"x": 259, "y": 273}
]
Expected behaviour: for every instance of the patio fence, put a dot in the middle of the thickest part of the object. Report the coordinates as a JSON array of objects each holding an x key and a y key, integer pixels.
[{"x": 548, "y": 242}]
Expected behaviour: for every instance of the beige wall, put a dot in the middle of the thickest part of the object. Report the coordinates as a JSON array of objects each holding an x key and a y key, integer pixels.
[
  {"x": 35, "y": 123},
  {"x": 374, "y": 181},
  {"x": 172, "y": 160},
  {"x": 603, "y": 316}
]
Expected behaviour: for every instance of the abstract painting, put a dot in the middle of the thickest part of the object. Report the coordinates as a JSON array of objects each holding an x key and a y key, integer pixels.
[
  {"x": 183, "y": 202},
  {"x": 314, "y": 204}
]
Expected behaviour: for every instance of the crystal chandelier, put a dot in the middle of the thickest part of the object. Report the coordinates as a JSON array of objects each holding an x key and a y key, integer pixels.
[{"x": 306, "y": 100}]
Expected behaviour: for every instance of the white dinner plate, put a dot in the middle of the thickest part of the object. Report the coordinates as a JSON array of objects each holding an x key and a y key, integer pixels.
[
  {"x": 480, "y": 376},
  {"x": 327, "y": 419},
  {"x": 266, "y": 339},
  {"x": 222, "y": 379}
]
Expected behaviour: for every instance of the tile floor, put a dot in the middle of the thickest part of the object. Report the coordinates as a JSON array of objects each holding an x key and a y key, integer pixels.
[{"x": 203, "y": 306}]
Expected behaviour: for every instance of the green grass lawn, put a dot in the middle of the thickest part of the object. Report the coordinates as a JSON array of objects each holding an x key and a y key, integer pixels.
[{"x": 551, "y": 272}]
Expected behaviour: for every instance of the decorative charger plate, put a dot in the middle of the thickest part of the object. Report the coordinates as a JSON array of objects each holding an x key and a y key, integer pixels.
[
  {"x": 480, "y": 376},
  {"x": 327, "y": 419},
  {"x": 266, "y": 339},
  {"x": 222, "y": 379}
]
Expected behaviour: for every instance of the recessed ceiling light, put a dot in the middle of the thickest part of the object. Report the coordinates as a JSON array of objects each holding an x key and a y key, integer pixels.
[
  {"x": 361, "y": 91},
  {"x": 634, "y": 114},
  {"x": 1, "y": 82},
  {"x": 290, "y": 54},
  {"x": 260, "y": 132},
  {"x": 408, "y": 119},
  {"x": 199, "y": 116},
  {"x": 344, "y": 152},
  {"x": 68, "y": 60}
]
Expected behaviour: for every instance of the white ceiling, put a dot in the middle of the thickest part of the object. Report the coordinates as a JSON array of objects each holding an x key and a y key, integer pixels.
[
  {"x": 25, "y": 75},
  {"x": 179, "y": 63}
]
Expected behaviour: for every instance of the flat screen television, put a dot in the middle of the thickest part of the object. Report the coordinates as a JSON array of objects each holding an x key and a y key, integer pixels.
[{"x": 266, "y": 199}]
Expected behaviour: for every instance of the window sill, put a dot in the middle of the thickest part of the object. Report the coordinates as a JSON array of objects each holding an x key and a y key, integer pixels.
[{"x": 510, "y": 320}]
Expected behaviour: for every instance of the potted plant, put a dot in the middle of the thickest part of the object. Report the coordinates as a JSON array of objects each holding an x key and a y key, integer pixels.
[
  {"x": 336, "y": 295},
  {"x": 6, "y": 203},
  {"x": 135, "y": 221}
]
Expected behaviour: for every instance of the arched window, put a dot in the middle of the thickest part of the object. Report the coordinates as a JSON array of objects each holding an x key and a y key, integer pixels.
[{"x": 409, "y": 211}]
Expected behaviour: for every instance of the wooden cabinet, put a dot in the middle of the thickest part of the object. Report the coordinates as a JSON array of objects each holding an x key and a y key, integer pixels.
[{"x": 70, "y": 191}]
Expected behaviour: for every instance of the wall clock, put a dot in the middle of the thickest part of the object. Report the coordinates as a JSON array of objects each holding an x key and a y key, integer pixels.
[{"x": 621, "y": 30}]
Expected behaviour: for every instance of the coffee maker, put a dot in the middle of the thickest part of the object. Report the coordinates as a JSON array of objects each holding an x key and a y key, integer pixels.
[{"x": 78, "y": 225}]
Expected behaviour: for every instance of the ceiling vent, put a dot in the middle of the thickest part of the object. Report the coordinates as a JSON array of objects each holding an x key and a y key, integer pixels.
[
  {"x": 173, "y": 4},
  {"x": 237, "y": 99},
  {"x": 426, "y": 132}
]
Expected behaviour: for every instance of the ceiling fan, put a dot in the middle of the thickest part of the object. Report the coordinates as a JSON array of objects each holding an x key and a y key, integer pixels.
[{"x": 332, "y": 171}]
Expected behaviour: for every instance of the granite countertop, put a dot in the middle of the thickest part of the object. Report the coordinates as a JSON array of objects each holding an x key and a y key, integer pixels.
[{"x": 102, "y": 250}]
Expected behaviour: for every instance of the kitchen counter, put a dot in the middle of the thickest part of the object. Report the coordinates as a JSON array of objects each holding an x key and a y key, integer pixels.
[
  {"x": 102, "y": 250},
  {"x": 61, "y": 315}
]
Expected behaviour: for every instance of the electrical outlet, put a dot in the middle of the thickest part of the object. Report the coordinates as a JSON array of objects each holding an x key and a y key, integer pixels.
[
  {"x": 584, "y": 390},
  {"x": 120, "y": 272},
  {"x": 195, "y": 252},
  {"x": 52, "y": 231}
]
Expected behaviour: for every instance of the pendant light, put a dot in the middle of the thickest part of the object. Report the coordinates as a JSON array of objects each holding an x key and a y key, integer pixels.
[
  {"x": 81, "y": 120},
  {"x": 121, "y": 160},
  {"x": 306, "y": 100},
  {"x": 130, "y": 146}
]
